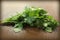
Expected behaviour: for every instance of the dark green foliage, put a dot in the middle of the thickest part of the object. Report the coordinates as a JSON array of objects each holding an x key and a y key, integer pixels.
[{"x": 34, "y": 17}]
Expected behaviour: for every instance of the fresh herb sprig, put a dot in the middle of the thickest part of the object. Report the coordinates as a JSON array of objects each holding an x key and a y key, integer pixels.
[{"x": 34, "y": 17}]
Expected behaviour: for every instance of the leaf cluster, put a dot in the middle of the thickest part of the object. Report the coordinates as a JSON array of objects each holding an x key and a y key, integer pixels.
[{"x": 34, "y": 17}]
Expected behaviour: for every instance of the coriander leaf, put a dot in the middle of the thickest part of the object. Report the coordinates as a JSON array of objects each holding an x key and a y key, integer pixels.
[
  {"x": 18, "y": 27},
  {"x": 48, "y": 29}
]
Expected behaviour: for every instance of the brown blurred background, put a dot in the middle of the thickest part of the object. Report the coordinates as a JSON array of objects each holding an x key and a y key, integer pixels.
[{"x": 9, "y": 8}]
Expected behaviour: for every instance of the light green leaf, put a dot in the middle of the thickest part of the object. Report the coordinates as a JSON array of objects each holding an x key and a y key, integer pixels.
[
  {"x": 18, "y": 27},
  {"x": 48, "y": 29},
  {"x": 45, "y": 24}
]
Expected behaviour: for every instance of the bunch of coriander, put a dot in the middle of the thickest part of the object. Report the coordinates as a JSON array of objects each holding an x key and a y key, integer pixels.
[{"x": 34, "y": 17}]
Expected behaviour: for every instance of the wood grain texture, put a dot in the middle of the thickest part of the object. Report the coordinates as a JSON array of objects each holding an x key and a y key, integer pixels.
[{"x": 29, "y": 33}]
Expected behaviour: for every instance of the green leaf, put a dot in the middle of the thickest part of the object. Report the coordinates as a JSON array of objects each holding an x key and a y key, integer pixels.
[
  {"x": 18, "y": 27},
  {"x": 29, "y": 20},
  {"x": 12, "y": 19},
  {"x": 42, "y": 12},
  {"x": 48, "y": 29},
  {"x": 45, "y": 24}
]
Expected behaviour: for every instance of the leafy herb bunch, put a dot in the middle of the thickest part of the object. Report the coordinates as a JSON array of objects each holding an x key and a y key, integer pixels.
[{"x": 33, "y": 17}]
